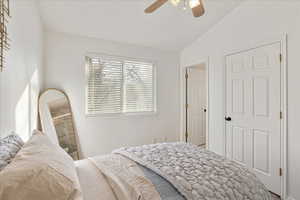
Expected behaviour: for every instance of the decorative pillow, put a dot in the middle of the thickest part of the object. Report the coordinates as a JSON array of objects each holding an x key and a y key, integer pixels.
[
  {"x": 9, "y": 147},
  {"x": 40, "y": 170}
]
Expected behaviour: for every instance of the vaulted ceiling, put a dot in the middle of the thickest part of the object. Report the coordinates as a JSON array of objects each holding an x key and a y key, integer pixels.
[{"x": 169, "y": 28}]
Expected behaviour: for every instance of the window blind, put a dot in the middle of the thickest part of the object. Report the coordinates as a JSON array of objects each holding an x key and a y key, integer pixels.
[
  {"x": 138, "y": 86},
  {"x": 104, "y": 86},
  {"x": 119, "y": 86}
]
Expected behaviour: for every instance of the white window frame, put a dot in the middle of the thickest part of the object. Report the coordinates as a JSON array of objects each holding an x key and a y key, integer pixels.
[{"x": 120, "y": 58}]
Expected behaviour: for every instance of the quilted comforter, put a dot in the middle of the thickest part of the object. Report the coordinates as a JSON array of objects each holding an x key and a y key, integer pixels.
[
  {"x": 197, "y": 173},
  {"x": 176, "y": 171}
]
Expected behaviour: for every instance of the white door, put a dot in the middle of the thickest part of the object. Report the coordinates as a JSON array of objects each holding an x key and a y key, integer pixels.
[
  {"x": 197, "y": 105},
  {"x": 253, "y": 104}
]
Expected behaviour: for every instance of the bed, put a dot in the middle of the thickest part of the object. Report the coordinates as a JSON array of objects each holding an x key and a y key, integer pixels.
[{"x": 166, "y": 171}]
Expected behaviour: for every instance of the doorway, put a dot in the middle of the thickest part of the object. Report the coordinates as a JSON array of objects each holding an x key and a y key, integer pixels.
[{"x": 196, "y": 101}]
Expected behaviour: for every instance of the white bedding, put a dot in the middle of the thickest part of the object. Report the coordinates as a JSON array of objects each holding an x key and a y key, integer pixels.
[
  {"x": 93, "y": 184},
  {"x": 113, "y": 177}
]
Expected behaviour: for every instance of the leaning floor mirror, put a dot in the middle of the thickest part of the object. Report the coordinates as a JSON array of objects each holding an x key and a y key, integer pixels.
[{"x": 57, "y": 120}]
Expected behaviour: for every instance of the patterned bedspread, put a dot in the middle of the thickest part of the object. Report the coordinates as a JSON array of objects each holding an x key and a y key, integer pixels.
[{"x": 197, "y": 173}]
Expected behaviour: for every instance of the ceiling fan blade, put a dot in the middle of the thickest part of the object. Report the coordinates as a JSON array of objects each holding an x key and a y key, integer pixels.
[
  {"x": 198, "y": 10},
  {"x": 155, "y": 6}
]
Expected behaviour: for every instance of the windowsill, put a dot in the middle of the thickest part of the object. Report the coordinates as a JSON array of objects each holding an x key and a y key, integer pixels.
[{"x": 123, "y": 115}]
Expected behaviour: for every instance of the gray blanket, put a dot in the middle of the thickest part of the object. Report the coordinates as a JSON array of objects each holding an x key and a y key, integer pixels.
[
  {"x": 165, "y": 189},
  {"x": 197, "y": 173}
]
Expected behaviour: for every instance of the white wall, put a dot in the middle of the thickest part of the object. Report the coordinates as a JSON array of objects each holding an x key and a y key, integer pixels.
[
  {"x": 65, "y": 69},
  {"x": 247, "y": 26},
  {"x": 21, "y": 79}
]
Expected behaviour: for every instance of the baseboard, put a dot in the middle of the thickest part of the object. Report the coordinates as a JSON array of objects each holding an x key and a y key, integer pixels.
[{"x": 290, "y": 198}]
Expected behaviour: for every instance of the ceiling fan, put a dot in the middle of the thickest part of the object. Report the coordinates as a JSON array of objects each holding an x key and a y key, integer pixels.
[{"x": 196, "y": 6}]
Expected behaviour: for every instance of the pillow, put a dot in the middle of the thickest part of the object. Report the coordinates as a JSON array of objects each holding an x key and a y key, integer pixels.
[
  {"x": 40, "y": 170},
  {"x": 9, "y": 147}
]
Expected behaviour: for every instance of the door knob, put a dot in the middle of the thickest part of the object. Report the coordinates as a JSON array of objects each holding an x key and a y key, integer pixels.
[{"x": 228, "y": 119}]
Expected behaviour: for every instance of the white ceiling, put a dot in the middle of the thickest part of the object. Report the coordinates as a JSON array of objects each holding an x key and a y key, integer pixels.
[{"x": 124, "y": 21}]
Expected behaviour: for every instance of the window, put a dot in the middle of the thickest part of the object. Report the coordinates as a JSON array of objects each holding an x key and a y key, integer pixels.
[{"x": 116, "y": 85}]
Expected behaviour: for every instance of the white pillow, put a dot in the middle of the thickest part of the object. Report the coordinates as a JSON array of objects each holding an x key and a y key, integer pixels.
[{"x": 40, "y": 171}]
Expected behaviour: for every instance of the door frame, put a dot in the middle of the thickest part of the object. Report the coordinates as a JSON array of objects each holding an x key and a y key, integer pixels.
[
  {"x": 283, "y": 105},
  {"x": 183, "y": 99}
]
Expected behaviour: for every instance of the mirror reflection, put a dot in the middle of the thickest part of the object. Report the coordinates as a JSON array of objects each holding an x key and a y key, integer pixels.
[{"x": 57, "y": 120}]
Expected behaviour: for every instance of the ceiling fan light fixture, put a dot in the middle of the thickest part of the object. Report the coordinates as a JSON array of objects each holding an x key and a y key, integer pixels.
[
  {"x": 175, "y": 2},
  {"x": 194, "y": 3},
  {"x": 197, "y": 6}
]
